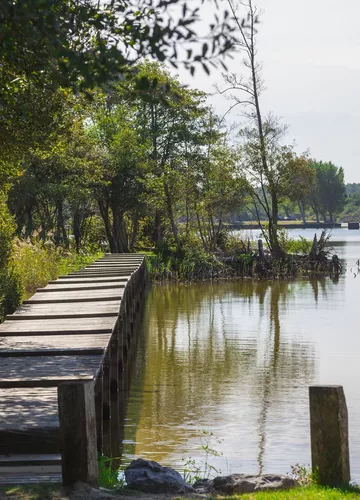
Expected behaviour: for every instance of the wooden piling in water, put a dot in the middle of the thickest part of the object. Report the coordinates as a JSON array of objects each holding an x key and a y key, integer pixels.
[
  {"x": 78, "y": 433},
  {"x": 329, "y": 435}
]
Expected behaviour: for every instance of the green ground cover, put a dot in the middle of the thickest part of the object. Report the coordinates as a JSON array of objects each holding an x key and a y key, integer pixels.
[{"x": 54, "y": 492}]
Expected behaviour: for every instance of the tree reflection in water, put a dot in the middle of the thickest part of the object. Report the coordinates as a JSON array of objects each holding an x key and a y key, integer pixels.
[{"x": 216, "y": 356}]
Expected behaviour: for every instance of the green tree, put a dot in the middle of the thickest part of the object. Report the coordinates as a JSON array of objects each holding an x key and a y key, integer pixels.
[
  {"x": 327, "y": 196},
  {"x": 119, "y": 167},
  {"x": 283, "y": 176},
  {"x": 66, "y": 42},
  {"x": 168, "y": 114}
]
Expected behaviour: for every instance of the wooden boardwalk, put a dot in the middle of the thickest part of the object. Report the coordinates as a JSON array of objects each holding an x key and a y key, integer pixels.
[{"x": 77, "y": 328}]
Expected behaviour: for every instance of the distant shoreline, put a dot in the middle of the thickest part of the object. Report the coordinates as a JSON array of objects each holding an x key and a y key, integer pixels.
[{"x": 288, "y": 225}]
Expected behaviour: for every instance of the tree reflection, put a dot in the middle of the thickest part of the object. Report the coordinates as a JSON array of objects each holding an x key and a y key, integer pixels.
[{"x": 201, "y": 343}]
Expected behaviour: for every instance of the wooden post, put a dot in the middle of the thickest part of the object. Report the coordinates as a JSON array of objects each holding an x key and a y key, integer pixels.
[
  {"x": 106, "y": 415},
  {"x": 78, "y": 433},
  {"x": 99, "y": 410},
  {"x": 329, "y": 435}
]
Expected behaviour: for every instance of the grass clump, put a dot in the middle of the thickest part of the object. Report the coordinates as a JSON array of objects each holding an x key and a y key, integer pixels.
[
  {"x": 37, "y": 263},
  {"x": 109, "y": 476},
  {"x": 32, "y": 265}
]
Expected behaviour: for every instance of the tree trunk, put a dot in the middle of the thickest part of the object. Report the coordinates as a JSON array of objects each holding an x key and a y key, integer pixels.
[
  {"x": 77, "y": 228},
  {"x": 134, "y": 233},
  {"x": 276, "y": 249},
  {"x": 119, "y": 232},
  {"x": 158, "y": 231},
  {"x": 104, "y": 212},
  {"x": 171, "y": 217},
  {"x": 301, "y": 205},
  {"x": 29, "y": 223},
  {"x": 61, "y": 234}
]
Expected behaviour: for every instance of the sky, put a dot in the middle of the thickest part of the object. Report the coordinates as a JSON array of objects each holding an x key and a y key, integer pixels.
[{"x": 310, "y": 51}]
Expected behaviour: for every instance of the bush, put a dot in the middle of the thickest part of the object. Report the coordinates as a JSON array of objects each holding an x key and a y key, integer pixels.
[
  {"x": 292, "y": 246},
  {"x": 37, "y": 263},
  {"x": 10, "y": 286},
  {"x": 7, "y": 230}
]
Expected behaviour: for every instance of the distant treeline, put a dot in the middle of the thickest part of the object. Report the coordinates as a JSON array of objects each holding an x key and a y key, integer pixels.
[{"x": 330, "y": 200}]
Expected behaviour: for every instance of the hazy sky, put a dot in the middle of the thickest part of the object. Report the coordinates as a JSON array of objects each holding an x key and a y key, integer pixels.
[{"x": 310, "y": 50}]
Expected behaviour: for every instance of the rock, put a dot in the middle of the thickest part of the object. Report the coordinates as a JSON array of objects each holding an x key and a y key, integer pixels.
[
  {"x": 244, "y": 483},
  {"x": 276, "y": 482},
  {"x": 203, "y": 486},
  {"x": 151, "y": 477}
]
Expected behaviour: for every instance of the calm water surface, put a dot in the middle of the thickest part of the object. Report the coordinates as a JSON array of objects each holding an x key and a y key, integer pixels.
[{"x": 236, "y": 359}]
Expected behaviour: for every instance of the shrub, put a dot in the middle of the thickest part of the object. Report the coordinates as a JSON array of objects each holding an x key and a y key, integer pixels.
[
  {"x": 37, "y": 263},
  {"x": 293, "y": 246},
  {"x": 10, "y": 287}
]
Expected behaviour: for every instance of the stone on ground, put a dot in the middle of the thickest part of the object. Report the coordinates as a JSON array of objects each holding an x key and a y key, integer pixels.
[
  {"x": 151, "y": 477},
  {"x": 243, "y": 483}
]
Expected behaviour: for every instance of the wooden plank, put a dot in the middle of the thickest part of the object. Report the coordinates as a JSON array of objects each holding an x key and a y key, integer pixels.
[
  {"x": 108, "y": 269},
  {"x": 113, "y": 266},
  {"x": 26, "y": 409},
  {"x": 102, "y": 274},
  {"x": 51, "y": 342},
  {"x": 91, "y": 279},
  {"x": 63, "y": 310},
  {"x": 47, "y": 371},
  {"x": 60, "y": 297},
  {"x": 58, "y": 326},
  {"x": 69, "y": 287},
  {"x": 9, "y": 477},
  {"x": 29, "y": 459},
  {"x": 36, "y": 316},
  {"x": 29, "y": 421},
  {"x": 105, "y": 272}
]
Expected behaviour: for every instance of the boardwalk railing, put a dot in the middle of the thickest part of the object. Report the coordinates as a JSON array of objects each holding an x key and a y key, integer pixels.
[{"x": 77, "y": 331}]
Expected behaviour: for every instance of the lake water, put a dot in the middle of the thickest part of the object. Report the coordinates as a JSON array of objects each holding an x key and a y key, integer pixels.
[{"x": 236, "y": 359}]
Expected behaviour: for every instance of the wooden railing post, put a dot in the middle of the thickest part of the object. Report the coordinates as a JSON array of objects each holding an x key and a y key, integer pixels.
[
  {"x": 329, "y": 435},
  {"x": 78, "y": 432}
]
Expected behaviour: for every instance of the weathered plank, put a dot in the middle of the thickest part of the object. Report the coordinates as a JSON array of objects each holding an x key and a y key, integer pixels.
[
  {"x": 34, "y": 476},
  {"x": 26, "y": 409},
  {"x": 105, "y": 271},
  {"x": 47, "y": 371},
  {"x": 113, "y": 266},
  {"x": 101, "y": 274},
  {"x": 75, "y": 296},
  {"x": 46, "y": 316},
  {"x": 69, "y": 287},
  {"x": 107, "y": 279},
  {"x": 58, "y": 326},
  {"x": 29, "y": 459},
  {"x": 91, "y": 279},
  {"x": 29, "y": 421},
  {"x": 86, "y": 309},
  {"x": 52, "y": 342}
]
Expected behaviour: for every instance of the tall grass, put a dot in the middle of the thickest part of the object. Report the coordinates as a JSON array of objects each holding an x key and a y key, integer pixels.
[
  {"x": 109, "y": 477},
  {"x": 37, "y": 264}
]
